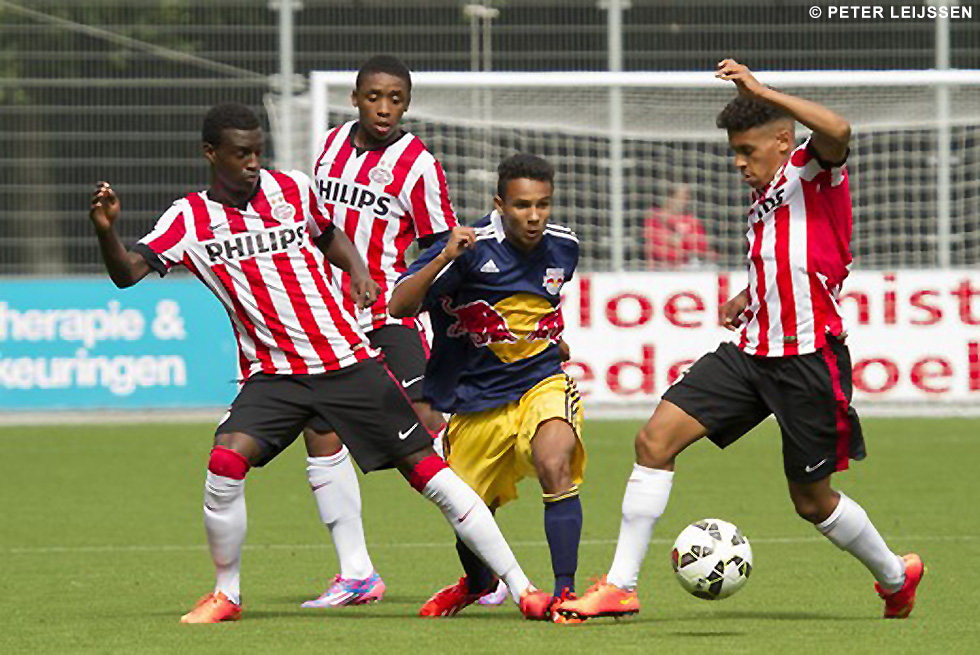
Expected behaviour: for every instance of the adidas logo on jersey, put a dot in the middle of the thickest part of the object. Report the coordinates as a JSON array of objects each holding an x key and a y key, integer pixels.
[{"x": 489, "y": 267}]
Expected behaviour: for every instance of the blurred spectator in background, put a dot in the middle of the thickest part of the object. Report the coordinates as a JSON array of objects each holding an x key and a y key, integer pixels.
[{"x": 673, "y": 237}]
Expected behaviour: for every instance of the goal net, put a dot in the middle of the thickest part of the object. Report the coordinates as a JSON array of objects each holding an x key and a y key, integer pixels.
[{"x": 629, "y": 145}]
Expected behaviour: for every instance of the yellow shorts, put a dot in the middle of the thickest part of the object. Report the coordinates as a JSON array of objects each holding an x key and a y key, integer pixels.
[{"x": 491, "y": 450}]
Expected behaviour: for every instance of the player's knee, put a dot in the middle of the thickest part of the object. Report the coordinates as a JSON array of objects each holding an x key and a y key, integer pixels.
[
  {"x": 228, "y": 463},
  {"x": 554, "y": 472},
  {"x": 813, "y": 502},
  {"x": 653, "y": 446},
  {"x": 322, "y": 444},
  {"x": 809, "y": 508},
  {"x": 420, "y": 472}
]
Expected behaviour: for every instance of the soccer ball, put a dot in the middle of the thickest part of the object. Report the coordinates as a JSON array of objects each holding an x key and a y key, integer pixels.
[{"x": 712, "y": 559}]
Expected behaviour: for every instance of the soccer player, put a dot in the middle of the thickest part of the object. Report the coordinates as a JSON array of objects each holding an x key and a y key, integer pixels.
[
  {"x": 384, "y": 190},
  {"x": 494, "y": 294},
  {"x": 790, "y": 360},
  {"x": 259, "y": 240}
]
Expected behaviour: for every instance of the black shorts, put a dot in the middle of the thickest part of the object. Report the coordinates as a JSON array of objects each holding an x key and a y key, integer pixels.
[
  {"x": 730, "y": 392},
  {"x": 405, "y": 355},
  {"x": 369, "y": 409}
]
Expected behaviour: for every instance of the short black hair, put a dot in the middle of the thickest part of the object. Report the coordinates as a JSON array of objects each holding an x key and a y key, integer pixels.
[
  {"x": 745, "y": 113},
  {"x": 523, "y": 166},
  {"x": 228, "y": 115},
  {"x": 384, "y": 64}
]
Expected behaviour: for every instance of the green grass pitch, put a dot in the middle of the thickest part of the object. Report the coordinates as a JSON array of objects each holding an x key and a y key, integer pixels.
[{"x": 103, "y": 549}]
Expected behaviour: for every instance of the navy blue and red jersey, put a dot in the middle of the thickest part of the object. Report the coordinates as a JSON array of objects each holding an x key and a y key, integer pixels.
[{"x": 496, "y": 317}]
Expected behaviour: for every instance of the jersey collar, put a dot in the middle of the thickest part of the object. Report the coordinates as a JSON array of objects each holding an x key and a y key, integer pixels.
[
  {"x": 496, "y": 222},
  {"x": 356, "y": 125}
]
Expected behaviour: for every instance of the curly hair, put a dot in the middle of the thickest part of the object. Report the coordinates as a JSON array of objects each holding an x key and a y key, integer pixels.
[
  {"x": 230, "y": 115},
  {"x": 523, "y": 166},
  {"x": 745, "y": 113},
  {"x": 388, "y": 64}
]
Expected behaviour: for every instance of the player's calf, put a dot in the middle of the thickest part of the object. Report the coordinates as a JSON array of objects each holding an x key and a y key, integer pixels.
[
  {"x": 225, "y": 524},
  {"x": 563, "y": 529},
  {"x": 468, "y": 515}
]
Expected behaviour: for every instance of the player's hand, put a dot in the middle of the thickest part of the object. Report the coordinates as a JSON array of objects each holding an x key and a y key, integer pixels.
[
  {"x": 460, "y": 240},
  {"x": 104, "y": 209},
  {"x": 732, "y": 71},
  {"x": 730, "y": 314},
  {"x": 564, "y": 351},
  {"x": 364, "y": 291}
]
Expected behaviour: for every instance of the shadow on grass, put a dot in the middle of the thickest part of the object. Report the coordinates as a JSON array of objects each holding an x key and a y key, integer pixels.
[
  {"x": 706, "y": 634},
  {"x": 371, "y": 613},
  {"x": 787, "y": 616},
  {"x": 392, "y": 607}
]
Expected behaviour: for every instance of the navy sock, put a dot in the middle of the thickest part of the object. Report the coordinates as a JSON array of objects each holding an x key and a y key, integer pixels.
[
  {"x": 563, "y": 527},
  {"x": 479, "y": 578}
]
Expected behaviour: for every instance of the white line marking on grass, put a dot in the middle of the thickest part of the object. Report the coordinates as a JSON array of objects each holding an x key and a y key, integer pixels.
[{"x": 163, "y": 548}]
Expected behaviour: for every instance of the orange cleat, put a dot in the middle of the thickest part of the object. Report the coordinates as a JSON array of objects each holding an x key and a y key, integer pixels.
[
  {"x": 899, "y": 604},
  {"x": 601, "y": 599},
  {"x": 556, "y": 617},
  {"x": 536, "y": 604},
  {"x": 213, "y": 608},
  {"x": 448, "y": 601}
]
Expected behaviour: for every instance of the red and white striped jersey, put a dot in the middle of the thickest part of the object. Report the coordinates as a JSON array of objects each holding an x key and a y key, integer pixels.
[
  {"x": 261, "y": 264},
  {"x": 798, "y": 257},
  {"x": 383, "y": 200}
]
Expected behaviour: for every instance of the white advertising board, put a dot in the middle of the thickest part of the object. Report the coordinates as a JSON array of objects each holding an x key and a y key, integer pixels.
[{"x": 914, "y": 336}]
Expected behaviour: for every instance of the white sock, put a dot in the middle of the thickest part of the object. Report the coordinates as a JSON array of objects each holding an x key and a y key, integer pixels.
[
  {"x": 338, "y": 499},
  {"x": 225, "y": 523},
  {"x": 644, "y": 502},
  {"x": 469, "y": 517},
  {"x": 850, "y": 529}
]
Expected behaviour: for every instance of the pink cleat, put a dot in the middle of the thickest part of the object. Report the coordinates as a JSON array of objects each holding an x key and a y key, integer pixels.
[
  {"x": 495, "y": 597},
  {"x": 346, "y": 591}
]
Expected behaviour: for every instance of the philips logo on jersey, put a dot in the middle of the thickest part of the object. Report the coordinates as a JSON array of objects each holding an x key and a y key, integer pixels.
[
  {"x": 766, "y": 205},
  {"x": 255, "y": 243},
  {"x": 355, "y": 196}
]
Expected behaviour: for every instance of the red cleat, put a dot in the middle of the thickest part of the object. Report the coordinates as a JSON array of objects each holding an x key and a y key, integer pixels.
[
  {"x": 899, "y": 604},
  {"x": 213, "y": 608},
  {"x": 536, "y": 604},
  {"x": 448, "y": 601}
]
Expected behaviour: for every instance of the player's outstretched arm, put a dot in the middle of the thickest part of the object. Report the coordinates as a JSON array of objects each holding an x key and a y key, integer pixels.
[
  {"x": 831, "y": 132},
  {"x": 407, "y": 297},
  {"x": 125, "y": 267},
  {"x": 340, "y": 252}
]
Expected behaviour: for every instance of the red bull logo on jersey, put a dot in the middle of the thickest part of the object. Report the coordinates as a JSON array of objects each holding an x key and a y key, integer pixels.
[
  {"x": 553, "y": 279},
  {"x": 479, "y": 321},
  {"x": 549, "y": 327},
  {"x": 515, "y": 328}
]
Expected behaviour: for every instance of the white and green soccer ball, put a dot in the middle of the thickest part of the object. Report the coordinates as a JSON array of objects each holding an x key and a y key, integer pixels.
[{"x": 712, "y": 559}]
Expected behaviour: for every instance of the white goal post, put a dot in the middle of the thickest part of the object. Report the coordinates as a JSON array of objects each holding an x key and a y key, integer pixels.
[{"x": 622, "y": 142}]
